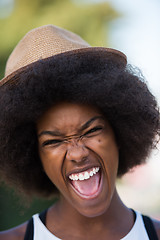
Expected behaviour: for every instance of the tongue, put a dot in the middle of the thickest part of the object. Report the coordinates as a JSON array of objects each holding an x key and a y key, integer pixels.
[{"x": 89, "y": 186}]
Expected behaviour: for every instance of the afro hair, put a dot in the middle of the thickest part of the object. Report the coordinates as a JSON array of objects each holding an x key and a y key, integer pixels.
[{"x": 118, "y": 91}]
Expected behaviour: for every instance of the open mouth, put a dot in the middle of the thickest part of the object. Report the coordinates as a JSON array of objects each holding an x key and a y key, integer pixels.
[{"x": 87, "y": 184}]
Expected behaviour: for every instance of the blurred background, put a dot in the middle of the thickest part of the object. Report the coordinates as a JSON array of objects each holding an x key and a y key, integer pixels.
[{"x": 130, "y": 26}]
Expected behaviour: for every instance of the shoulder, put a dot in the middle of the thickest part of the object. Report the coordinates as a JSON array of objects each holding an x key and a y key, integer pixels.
[
  {"x": 16, "y": 233},
  {"x": 157, "y": 227}
]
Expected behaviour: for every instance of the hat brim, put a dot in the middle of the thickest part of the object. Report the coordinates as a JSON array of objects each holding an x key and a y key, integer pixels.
[{"x": 97, "y": 52}]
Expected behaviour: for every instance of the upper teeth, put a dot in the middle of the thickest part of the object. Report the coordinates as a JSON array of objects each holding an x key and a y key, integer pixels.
[{"x": 84, "y": 175}]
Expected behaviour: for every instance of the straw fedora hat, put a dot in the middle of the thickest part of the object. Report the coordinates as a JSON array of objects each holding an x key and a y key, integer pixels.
[{"x": 50, "y": 41}]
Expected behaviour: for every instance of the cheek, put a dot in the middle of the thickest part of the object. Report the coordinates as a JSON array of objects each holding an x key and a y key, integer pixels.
[
  {"x": 106, "y": 148},
  {"x": 111, "y": 161},
  {"x": 94, "y": 144},
  {"x": 52, "y": 164}
]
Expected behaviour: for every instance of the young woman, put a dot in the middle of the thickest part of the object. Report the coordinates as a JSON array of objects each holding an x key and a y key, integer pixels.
[{"x": 73, "y": 119}]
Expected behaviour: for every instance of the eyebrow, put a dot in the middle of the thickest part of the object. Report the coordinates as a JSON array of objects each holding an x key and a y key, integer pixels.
[
  {"x": 88, "y": 123},
  {"x": 52, "y": 133},
  {"x": 82, "y": 128}
]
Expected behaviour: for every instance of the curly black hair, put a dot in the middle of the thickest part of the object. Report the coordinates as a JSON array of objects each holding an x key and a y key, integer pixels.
[{"x": 115, "y": 89}]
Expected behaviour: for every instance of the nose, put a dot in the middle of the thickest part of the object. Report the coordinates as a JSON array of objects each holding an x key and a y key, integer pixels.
[{"x": 77, "y": 152}]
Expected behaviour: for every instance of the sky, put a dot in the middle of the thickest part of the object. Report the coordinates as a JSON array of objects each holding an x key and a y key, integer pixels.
[
  {"x": 6, "y": 7},
  {"x": 137, "y": 34}
]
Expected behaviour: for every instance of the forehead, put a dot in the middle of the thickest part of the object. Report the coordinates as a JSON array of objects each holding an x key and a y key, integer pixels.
[{"x": 64, "y": 114}]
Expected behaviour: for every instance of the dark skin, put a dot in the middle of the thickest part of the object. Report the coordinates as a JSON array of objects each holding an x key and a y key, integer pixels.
[{"x": 73, "y": 137}]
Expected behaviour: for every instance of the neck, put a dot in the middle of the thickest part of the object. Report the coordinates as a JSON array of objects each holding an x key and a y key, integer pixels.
[{"x": 111, "y": 220}]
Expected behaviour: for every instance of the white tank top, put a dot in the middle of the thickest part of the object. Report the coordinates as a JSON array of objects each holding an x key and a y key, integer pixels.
[{"x": 138, "y": 231}]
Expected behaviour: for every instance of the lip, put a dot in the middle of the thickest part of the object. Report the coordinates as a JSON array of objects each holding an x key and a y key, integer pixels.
[
  {"x": 79, "y": 170},
  {"x": 95, "y": 194}
]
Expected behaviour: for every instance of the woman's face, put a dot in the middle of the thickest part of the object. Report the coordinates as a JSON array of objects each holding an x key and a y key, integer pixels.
[{"x": 79, "y": 154}]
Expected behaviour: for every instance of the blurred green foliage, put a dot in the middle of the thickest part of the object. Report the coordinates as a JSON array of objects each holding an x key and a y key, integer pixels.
[
  {"x": 90, "y": 21},
  {"x": 15, "y": 209}
]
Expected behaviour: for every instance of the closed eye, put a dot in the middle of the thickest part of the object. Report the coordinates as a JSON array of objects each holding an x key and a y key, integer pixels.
[
  {"x": 93, "y": 130},
  {"x": 52, "y": 142}
]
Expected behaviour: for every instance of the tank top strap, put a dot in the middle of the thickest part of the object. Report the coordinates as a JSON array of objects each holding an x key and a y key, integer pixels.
[
  {"x": 29, "y": 231},
  {"x": 42, "y": 216},
  {"x": 30, "y": 228},
  {"x": 150, "y": 228}
]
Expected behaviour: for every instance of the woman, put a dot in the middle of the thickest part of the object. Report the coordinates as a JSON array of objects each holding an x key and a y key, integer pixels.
[{"x": 73, "y": 119}]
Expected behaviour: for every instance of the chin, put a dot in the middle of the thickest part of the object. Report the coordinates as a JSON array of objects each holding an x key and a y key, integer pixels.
[{"x": 92, "y": 212}]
